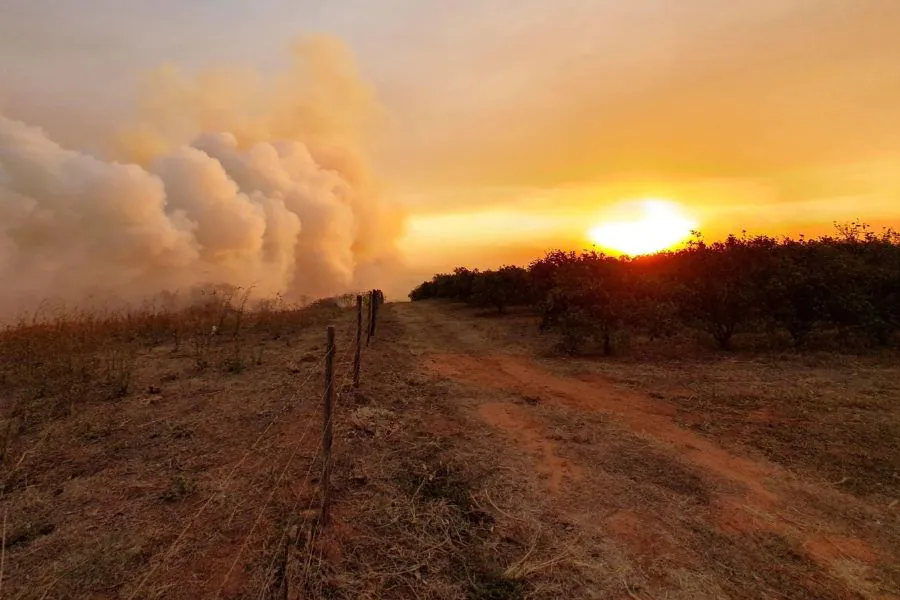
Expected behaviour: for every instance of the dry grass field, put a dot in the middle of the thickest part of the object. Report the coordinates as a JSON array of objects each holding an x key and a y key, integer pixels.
[
  {"x": 473, "y": 462},
  {"x": 157, "y": 453}
]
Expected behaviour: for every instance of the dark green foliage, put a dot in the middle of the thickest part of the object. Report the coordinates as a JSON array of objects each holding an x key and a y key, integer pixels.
[
  {"x": 848, "y": 283},
  {"x": 592, "y": 298},
  {"x": 796, "y": 293},
  {"x": 507, "y": 286},
  {"x": 720, "y": 286},
  {"x": 501, "y": 288},
  {"x": 868, "y": 287}
]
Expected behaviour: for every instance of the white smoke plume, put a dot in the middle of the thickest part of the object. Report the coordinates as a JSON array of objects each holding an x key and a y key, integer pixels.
[{"x": 222, "y": 178}]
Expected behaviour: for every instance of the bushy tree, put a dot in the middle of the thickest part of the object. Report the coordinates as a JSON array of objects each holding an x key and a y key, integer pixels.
[
  {"x": 591, "y": 299},
  {"x": 796, "y": 287},
  {"x": 507, "y": 286},
  {"x": 849, "y": 281},
  {"x": 865, "y": 287},
  {"x": 545, "y": 274},
  {"x": 719, "y": 283}
]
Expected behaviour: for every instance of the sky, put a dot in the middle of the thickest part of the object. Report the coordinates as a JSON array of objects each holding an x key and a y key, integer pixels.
[{"x": 506, "y": 127}]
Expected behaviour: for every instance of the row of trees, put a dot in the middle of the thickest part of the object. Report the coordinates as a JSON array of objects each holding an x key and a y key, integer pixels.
[{"x": 847, "y": 283}]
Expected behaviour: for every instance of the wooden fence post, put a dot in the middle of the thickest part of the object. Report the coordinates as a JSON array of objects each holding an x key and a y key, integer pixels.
[
  {"x": 328, "y": 432},
  {"x": 371, "y": 316},
  {"x": 376, "y": 304},
  {"x": 356, "y": 358}
]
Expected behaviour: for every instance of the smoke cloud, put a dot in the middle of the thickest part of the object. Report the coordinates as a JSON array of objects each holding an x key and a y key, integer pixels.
[{"x": 223, "y": 177}]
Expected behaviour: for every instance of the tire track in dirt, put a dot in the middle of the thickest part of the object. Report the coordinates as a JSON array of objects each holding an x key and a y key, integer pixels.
[
  {"x": 450, "y": 346},
  {"x": 529, "y": 436},
  {"x": 755, "y": 511},
  {"x": 641, "y": 414}
]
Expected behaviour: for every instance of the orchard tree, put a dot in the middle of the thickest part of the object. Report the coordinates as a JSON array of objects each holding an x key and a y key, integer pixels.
[
  {"x": 721, "y": 283},
  {"x": 797, "y": 289},
  {"x": 504, "y": 287},
  {"x": 850, "y": 280}
]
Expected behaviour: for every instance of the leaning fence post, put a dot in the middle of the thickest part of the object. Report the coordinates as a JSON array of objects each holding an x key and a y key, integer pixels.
[
  {"x": 358, "y": 341},
  {"x": 327, "y": 431}
]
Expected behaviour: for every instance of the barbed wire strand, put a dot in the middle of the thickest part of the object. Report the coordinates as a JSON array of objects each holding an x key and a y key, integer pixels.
[
  {"x": 344, "y": 364},
  {"x": 229, "y": 479},
  {"x": 270, "y": 569},
  {"x": 284, "y": 533},
  {"x": 172, "y": 547},
  {"x": 309, "y": 552},
  {"x": 344, "y": 381},
  {"x": 263, "y": 509}
]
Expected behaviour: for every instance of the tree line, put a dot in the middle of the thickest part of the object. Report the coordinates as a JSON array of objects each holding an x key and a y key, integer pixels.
[{"x": 845, "y": 285}]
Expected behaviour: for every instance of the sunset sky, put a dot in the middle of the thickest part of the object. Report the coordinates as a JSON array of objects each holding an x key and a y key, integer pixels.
[{"x": 510, "y": 126}]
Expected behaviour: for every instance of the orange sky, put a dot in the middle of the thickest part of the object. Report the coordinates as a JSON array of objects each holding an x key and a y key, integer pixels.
[
  {"x": 776, "y": 117},
  {"x": 506, "y": 128}
]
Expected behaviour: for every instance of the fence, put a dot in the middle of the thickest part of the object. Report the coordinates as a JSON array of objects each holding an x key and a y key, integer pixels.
[{"x": 335, "y": 360}]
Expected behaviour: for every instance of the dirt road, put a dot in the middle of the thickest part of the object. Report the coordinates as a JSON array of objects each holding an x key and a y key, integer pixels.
[{"x": 623, "y": 501}]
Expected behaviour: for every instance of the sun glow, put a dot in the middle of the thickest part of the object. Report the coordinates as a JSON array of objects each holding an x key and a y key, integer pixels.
[{"x": 656, "y": 225}]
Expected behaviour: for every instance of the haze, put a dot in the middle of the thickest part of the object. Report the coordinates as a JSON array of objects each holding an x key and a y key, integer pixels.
[{"x": 478, "y": 131}]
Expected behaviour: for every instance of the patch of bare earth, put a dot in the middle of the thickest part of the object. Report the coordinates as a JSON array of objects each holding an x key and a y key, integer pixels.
[
  {"x": 528, "y": 435},
  {"x": 674, "y": 509}
]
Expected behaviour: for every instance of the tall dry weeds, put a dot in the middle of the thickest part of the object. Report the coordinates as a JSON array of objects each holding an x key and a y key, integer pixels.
[{"x": 56, "y": 357}]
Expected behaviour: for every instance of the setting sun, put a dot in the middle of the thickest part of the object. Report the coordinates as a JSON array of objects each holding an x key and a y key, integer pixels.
[{"x": 655, "y": 225}]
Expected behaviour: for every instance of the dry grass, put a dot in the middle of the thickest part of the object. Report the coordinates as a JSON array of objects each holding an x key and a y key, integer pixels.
[
  {"x": 145, "y": 452},
  {"x": 830, "y": 415},
  {"x": 640, "y": 518},
  {"x": 415, "y": 519},
  {"x": 429, "y": 506},
  {"x": 144, "y": 456}
]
